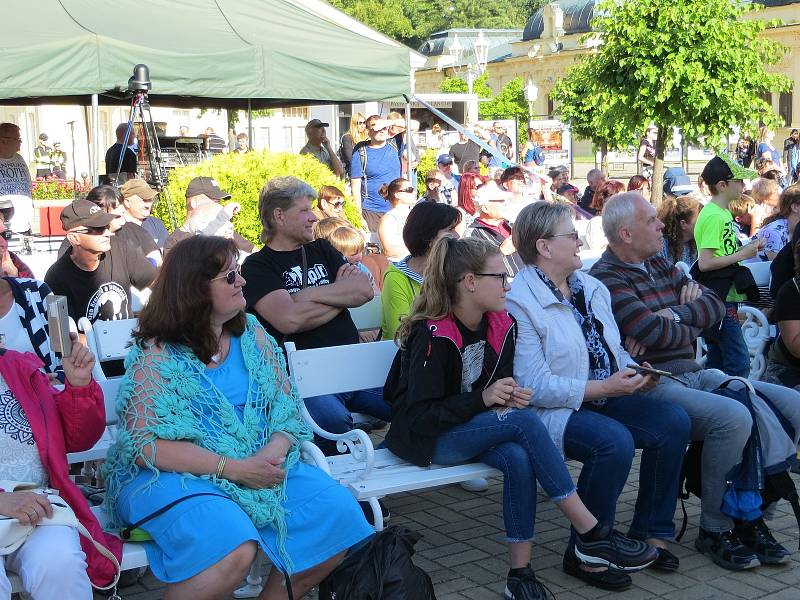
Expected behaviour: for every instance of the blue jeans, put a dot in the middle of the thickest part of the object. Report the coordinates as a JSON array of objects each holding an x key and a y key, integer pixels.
[
  {"x": 517, "y": 443},
  {"x": 332, "y": 412},
  {"x": 603, "y": 439},
  {"x": 729, "y": 353}
]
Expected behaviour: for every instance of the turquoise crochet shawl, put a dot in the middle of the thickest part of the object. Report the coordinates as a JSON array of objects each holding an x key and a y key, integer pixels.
[{"x": 166, "y": 395}]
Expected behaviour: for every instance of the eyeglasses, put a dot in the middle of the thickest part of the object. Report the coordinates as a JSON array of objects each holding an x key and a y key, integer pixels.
[
  {"x": 361, "y": 122},
  {"x": 92, "y": 230},
  {"x": 407, "y": 190},
  {"x": 573, "y": 234},
  {"x": 501, "y": 276},
  {"x": 338, "y": 204},
  {"x": 374, "y": 130},
  {"x": 230, "y": 276},
  {"x": 6, "y": 235}
]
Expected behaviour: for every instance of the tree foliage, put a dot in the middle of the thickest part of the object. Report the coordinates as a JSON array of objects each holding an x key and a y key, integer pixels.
[
  {"x": 413, "y": 21},
  {"x": 692, "y": 64}
]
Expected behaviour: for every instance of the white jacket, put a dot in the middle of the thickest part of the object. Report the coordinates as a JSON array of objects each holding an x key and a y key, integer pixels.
[{"x": 551, "y": 357}]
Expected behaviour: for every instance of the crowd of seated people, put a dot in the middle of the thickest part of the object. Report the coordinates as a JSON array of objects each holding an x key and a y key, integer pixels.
[{"x": 509, "y": 353}]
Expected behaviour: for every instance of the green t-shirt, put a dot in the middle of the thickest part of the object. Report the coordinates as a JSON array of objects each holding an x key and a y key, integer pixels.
[
  {"x": 397, "y": 296},
  {"x": 715, "y": 230}
]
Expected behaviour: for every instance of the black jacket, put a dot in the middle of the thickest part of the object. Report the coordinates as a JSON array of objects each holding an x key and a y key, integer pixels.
[
  {"x": 424, "y": 384},
  {"x": 720, "y": 280}
]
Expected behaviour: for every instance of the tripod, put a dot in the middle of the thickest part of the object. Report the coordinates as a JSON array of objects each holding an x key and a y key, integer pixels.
[{"x": 153, "y": 170}]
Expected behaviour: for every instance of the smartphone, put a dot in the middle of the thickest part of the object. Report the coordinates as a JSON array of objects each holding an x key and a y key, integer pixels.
[
  {"x": 58, "y": 323},
  {"x": 649, "y": 371}
]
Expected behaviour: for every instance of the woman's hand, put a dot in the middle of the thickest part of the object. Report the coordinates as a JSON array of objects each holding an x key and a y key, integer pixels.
[
  {"x": 506, "y": 392},
  {"x": 257, "y": 471},
  {"x": 623, "y": 382},
  {"x": 28, "y": 508},
  {"x": 650, "y": 380},
  {"x": 79, "y": 364}
]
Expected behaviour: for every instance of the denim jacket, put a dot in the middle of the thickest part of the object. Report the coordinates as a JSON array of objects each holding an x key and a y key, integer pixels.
[{"x": 551, "y": 356}]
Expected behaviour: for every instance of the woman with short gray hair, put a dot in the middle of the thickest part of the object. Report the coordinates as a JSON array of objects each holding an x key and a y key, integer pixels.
[{"x": 569, "y": 352}]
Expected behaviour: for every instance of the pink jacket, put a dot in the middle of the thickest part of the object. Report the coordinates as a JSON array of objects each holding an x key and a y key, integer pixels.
[{"x": 68, "y": 421}]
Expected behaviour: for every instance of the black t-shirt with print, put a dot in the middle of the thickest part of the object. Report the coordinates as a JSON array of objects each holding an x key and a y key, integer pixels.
[
  {"x": 268, "y": 270},
  {"x": 105, "y": 293},
  {"x": 476, "y": 349},
  {"x": 787, "y": 308}
]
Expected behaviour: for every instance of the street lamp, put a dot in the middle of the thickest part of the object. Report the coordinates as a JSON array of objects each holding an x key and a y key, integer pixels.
[
  {"x": 480, "y": 49},
  {"x": 531, "y": 95}
]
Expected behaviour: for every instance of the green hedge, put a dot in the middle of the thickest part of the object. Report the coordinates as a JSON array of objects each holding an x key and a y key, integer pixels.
[{"x": 243, "y": 176}]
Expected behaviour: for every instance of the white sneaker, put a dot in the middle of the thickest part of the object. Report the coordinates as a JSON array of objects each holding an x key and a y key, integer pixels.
[{"x": 475, "y": 485}]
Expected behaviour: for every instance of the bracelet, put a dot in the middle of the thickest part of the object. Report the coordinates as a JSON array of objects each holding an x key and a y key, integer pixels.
[{"x": 221, "y": 466}]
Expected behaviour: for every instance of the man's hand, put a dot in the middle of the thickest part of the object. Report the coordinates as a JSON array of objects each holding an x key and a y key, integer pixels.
[
  {"x": 690, "y": 292},
  {"x": 232, "y": 208},
  {"x": 370, "y": 335},
  {"x": 634, "y": 347},
  {"x": 348, "y": 270}
]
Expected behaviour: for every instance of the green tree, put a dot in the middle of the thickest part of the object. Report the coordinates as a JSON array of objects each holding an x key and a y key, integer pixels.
[
  {"x": 692, "y": 64},
  {"x": 581, "y": 106}
]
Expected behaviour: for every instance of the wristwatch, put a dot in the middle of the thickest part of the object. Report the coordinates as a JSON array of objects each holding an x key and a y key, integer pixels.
[{"x": 675, "y": 316}]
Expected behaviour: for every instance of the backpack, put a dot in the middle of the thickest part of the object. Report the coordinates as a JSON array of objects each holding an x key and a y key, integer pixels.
[
  {"x": 535, "y": 154},
  {"x": 755, "y": 482},
  {"x": 361, "y": 148},
  {"x": 382, "y": 569}
]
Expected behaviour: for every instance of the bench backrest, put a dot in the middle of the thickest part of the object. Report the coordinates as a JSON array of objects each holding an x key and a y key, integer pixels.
[
  {"x": 337, "y": 369},
  {"x": 369, "y": 315},
  {"x": 108, "y": 340},
  {"x": 761, "y": 272},
  {"x": 110, "y": 391}
]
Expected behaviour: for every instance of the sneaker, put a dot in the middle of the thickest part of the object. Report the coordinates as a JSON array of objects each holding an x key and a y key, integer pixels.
[
  {"x": 726, "y": 550},
  {"x": 609, "y": 548},
  {"x": 606, "y": 579},
  {"x": 758, "y": 538},
  {"x": 475, "y": 485},
  {"x": 666, "y": 561},
  {"x": 525, "y": 587}
]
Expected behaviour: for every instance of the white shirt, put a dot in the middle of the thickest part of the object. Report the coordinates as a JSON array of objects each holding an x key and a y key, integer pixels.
[
  {"x": 19, "y": 455},
  {"x": 14, "y": 335}
]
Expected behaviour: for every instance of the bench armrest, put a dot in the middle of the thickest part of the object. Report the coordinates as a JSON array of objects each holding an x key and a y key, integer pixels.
[
  {"x": 356, "y": 441},
  {"x": 311, "y": 454}
]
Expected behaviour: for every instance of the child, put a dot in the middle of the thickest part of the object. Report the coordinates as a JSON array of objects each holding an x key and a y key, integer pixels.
[
  {"x": 350, "y": 242},
  {"x": 741, "y": 210},
  {"x": 719, "y": 253}
]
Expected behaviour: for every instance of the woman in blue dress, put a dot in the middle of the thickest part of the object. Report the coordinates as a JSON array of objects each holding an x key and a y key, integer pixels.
[{"x": 209, "y": 418}]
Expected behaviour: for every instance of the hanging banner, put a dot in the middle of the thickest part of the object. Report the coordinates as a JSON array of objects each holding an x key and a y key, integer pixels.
[{"x": 553, "y": 137}]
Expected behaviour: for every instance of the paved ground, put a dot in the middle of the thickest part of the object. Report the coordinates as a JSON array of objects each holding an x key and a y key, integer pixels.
[{"x": 464, "y": 553}]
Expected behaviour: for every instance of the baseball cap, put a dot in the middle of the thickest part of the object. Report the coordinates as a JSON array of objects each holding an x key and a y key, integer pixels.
[
  {"x": 677, "y": 182},
  {"x": 567, "y": 188},
  {"x": 207, "y": 186},
  {"x": 83, "y": 213},
  {"x": 444, "y": 159},
  {"x": 316, "y": 123},
  {"x": 723, "y": 168},
  {"x": 138, "y": 187}
]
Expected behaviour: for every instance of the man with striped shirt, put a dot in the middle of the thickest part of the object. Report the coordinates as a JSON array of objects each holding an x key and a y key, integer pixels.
[{"x": 661, "y": 313}]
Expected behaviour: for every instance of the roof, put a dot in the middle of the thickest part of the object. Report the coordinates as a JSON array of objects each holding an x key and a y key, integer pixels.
[
  {"x": 500, "y": 41},
  {"x": 577, "y": 17}
]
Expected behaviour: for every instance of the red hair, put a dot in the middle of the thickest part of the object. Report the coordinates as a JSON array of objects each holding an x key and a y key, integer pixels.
[
  {"x": 465, "y": 191},
  {"x": 604, "y": 192}
]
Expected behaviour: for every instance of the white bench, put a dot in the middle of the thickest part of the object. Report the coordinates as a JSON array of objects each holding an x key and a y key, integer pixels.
[
  {"x": 108, "y": 340},
  {"x": 368, "y": 473}
]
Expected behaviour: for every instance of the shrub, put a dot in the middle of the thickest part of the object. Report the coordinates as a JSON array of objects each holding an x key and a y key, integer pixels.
[
  {"x": 427, "y": 163},
  {"x": 243, "y": 176},
  {"x": 55, "y": 189}
]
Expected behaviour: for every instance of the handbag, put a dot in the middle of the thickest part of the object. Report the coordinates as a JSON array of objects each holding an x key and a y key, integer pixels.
[{"x": 13, "y": 534}]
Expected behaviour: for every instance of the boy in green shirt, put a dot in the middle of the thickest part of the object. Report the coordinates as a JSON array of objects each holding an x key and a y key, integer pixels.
[{"x": 718, "y": 248}]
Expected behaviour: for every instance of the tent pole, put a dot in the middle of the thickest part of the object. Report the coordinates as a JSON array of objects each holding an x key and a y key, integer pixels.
[
  {"x": 408, "y": 145},
  {"x": 94, "y": 159},
  {"x": 249, "y": 125}
]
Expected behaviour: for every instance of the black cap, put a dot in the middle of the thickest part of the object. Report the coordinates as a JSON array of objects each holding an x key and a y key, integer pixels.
[{"x": 82, "y": 213}]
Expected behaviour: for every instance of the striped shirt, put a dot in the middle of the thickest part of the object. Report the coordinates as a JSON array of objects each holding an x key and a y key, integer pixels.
[{"x": 638, "y": 293}]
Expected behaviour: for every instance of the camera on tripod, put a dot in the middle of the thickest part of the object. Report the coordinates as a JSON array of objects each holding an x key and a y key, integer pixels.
[{"x": 140, "y": 80}]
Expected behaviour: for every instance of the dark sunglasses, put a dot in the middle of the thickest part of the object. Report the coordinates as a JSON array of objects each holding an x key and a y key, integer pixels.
[
  {"x": 379, "y": 130},
  {"x": 6, "y": 235},
  {"x": 339, "y": 204},
  {"x": 407, "y": 190},
  {"x": 92, "y": 230},
  {"x": 361, "y": 122},
  {"x": 230, "y": 276}
]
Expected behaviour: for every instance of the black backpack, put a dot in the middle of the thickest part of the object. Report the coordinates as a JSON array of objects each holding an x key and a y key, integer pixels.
[{"x": 380, "y": 570}]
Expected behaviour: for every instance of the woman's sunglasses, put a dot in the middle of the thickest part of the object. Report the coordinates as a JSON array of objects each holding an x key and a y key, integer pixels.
[
  {"x": 230, "y": 276},
  {"x": 361, "y": 122},
  {"x": 407, "y": 190}
]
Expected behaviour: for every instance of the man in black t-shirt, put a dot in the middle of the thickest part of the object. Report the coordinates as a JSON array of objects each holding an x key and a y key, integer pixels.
[
  {"x": 129, "y": 165},
  {"x": 95, "y": 274},
  {"x": 464, "y": 151},
  {"x": 300, "y": 290}
]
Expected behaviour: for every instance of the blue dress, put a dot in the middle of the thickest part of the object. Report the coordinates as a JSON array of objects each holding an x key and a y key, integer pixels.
[{"x": 322, "y": 517}]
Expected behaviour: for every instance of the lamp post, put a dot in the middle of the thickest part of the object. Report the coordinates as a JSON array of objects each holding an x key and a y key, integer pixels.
[
  {"x": 480, "y": 49},
  {"x": 531, "y": 95}
]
